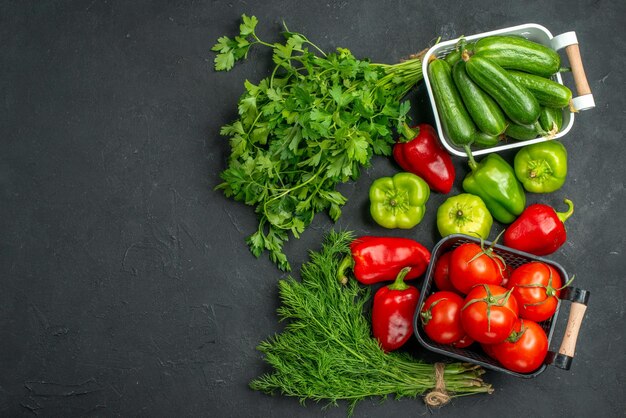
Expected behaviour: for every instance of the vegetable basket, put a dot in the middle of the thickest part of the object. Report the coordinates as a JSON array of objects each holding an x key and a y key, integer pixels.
[
  {"x": 536, "y": 33},
  {"x": 474, "y": 354}
]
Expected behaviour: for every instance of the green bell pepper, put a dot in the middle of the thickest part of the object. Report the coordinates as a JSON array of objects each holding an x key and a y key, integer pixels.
[
  {"x": 464, "y": 214},
  {"x": 541, "y": 167},
  {"x": 399, "y": 201},
  {"x": 494, "y": 180}
]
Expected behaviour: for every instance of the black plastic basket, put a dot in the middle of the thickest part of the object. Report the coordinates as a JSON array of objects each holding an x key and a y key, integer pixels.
[{"x": 474, "y": 354}]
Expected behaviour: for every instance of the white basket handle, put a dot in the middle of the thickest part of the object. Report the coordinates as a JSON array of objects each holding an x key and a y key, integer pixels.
[{"x": 569, "y": 41}]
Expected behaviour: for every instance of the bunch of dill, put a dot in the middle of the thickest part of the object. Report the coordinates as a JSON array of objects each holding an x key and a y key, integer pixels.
[{"x": 326, "y": 352}]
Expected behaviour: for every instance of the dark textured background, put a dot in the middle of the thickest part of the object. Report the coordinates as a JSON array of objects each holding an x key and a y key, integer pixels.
[{"x": 126, "y": 285}]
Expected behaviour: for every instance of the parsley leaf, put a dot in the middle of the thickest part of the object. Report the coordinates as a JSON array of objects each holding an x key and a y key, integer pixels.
[
  {"x": 224, "y": 61},
  {"x": 248, "y": 25}
]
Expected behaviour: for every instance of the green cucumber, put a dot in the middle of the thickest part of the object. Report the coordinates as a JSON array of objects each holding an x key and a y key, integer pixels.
[
  {"x": 546, "y": 91},
  {"x": 456, "y": 121},
  {"x": 483, "y": 140},
  {"x": 517, "y": 53},
  {"x": 551, "y": 119},
  {"x": 453, "y": 57},
  {"x": 516, "y": 101},
  {"x": 484, "y": 111},
  {"x": 456, "y": 55},
  {"x": 523, "y": 132}
]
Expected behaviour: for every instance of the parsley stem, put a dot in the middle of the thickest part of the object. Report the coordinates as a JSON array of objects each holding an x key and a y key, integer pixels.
[
  {"x": 261, "y": 42},
  {"x": 292, "y": 189}
]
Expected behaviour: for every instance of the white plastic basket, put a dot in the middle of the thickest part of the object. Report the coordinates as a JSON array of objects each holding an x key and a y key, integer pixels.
[{"x": 536, "y": 33}]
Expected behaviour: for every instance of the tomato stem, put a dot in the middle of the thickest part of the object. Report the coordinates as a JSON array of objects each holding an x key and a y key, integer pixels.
[
  {"x": 516, "y": 335},
  {"x": 568, "y": 283},
  {"x": 490, "y": 300},
  {"x": 489, "y": 252}
]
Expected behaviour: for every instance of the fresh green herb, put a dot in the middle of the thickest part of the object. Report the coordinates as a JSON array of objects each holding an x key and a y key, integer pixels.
[
  {"x": 326, "y": 351},
  {"x": 312, "y": 124}
]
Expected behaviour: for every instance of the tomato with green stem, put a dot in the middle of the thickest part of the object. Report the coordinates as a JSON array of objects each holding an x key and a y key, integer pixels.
[
  {"x": 489, "y": 313},
  {"x": 536, "y": 286},
  {"x": 525, "y": 350},
  {"x": 472, "y": 264},
  {"x": 440, "y": 317}
]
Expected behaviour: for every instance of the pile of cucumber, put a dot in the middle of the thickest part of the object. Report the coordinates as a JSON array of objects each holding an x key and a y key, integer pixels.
[{"x": 496, "y": 88}]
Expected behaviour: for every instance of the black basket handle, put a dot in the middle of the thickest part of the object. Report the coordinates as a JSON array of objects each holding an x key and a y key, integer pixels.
[{"x": 579, "y": 298}]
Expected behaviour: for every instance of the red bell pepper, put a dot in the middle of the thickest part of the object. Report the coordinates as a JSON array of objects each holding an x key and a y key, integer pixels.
[
  {"x": 392, "y": 312},
  {"x": 539, "y": 229},
  {"x": 377, "y": 259},
  {"x": 420, "y": 152}
]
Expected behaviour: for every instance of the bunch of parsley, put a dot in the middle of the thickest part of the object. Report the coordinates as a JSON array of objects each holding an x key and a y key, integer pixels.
[{"x": 312, "y": 124}]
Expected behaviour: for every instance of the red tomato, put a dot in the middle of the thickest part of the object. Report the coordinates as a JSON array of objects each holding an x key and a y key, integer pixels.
[
  {"x": 488, "y": 349},
  {"x": 441, "y": 317},
  {"x": 464, "y": 342},
  {"x": 537, "y": 287},
  {"x": 525, "y": 350},
  {"x": 507, "y": 270},
  {"x": 489, "y": 313},
  {"x": 441, "y": 275},
  {"x": 470, "y": 265}
]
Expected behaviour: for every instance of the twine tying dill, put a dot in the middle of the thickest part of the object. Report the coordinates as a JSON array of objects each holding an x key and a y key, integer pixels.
[{"x": 439, "y": 395}]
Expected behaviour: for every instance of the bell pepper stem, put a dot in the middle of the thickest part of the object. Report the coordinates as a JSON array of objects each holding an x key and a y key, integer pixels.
[
  {"x": 563, "y": 216},
  {"x": 399, "y": 283},
  {"x": 472, "y": 162},
  {"x": 408, "y": 133},
  {"x": 346, "y": 263}
]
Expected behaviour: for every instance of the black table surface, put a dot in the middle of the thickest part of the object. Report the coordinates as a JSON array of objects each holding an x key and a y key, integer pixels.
[{"x": 127, "y": 286}]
